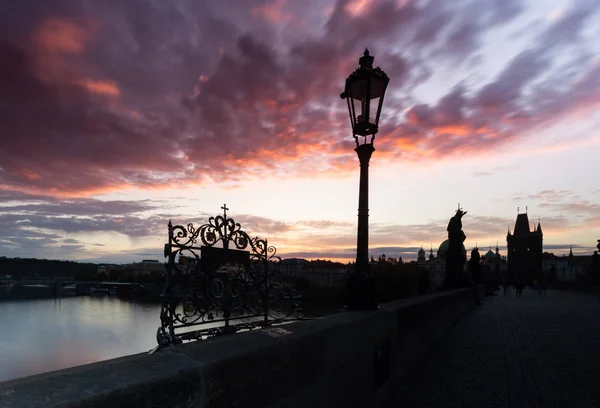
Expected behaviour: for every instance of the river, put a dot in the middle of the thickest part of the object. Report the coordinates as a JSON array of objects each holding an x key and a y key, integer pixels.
[{"x": 41, "y": 335}]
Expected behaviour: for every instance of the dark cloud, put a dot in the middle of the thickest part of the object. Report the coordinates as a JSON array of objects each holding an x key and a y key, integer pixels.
[
  {"x": 74, "y": 140},
  {"x": 563, "y": 246},
  {"x": 40, "y": 226},
  {"x": 83, "y": 207},
  {"x": 348, "y": 254},
  {"x": 528, "y": 92},
  {"x": 128, "y": 225},
  {"x": 19, "y": 196},
  {"x": 137, "y": 94},
  {"x": 564, "y": 249}
]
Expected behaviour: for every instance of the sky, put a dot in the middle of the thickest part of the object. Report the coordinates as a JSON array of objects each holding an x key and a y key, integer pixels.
[{"x": 118, "y": 116}]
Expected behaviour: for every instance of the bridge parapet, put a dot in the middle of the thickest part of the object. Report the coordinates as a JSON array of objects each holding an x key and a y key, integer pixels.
[{"x": 351, "y": 359}]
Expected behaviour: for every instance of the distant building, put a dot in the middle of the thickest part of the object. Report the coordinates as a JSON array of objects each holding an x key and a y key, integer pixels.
[
  {"x": 105, "y": 267},
  {"x": 436, "y": 265},
  {"x": 493, "y": 265},
  {"x": 494, "y": 268},
  {"x": 383, "y": 259},
  {"x": 565, "y": 268},
  {"x": 133, "y": 271},
  {"x": 524, "y": 250},
  {"x": 292, "y": 266},
  {"x": 319, "y": 274}
]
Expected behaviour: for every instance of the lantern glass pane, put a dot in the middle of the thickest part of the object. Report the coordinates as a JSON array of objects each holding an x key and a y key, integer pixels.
[
  {"x": 359, "y": 111},
  {"x": 359, "y": 88},
  {"x": 378, "y": 86},
  {"x": 374, "y": 108}
]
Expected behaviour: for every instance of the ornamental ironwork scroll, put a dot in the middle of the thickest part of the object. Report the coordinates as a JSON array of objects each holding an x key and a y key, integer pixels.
[{"x": 211, "y": 291}]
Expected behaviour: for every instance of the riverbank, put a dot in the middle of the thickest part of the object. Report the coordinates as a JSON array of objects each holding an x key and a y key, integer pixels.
[{"x": 10, "y": 292}]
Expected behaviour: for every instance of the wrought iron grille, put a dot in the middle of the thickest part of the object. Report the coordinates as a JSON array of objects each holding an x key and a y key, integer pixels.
[{"x": 211, "y": 291}]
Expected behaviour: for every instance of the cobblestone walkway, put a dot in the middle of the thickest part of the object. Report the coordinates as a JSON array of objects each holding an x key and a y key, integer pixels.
[{"x": 516, "y": 352}]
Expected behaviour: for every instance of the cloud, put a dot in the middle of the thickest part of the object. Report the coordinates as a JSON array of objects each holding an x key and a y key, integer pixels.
[
  {"x": 273, "y": 12},
  {"x": 135, "y": 95},
  {"x": 61, "y": 36},
  {"x": 564, "y": 203},
  {"x": 528, "y": 93},
  {"x": 325, "y": 224},
  {"x": 70, "y": 241},
  {"x": 81, "y": 207},
  {"x": 262, "y": 226},
  {"x": 42, "y": 226},
  {"x": 74, "y": 140}
]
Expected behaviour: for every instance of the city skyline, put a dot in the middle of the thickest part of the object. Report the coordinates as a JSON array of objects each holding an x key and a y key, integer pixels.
[{"x": 120, "y": 118}]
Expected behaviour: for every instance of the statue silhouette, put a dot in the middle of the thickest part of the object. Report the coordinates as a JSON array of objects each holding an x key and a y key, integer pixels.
[
  {"x": 595, "y": 267},
  {"x": 455, "y": 257}
]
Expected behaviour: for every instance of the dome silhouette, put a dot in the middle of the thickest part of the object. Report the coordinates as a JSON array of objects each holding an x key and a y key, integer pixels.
[
  {"x": 444, "y": 246},
  {"x": 490, "y": 254}
]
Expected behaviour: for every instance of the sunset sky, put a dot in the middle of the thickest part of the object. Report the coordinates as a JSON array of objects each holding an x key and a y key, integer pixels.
[{"x": 116, "y": 116}]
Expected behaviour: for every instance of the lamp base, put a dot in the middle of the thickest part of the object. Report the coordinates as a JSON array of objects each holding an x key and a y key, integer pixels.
[{"x": 361, "y": 293}]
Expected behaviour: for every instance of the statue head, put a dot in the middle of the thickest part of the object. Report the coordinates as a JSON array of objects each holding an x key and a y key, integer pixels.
[{"x": 460, "y": 213}]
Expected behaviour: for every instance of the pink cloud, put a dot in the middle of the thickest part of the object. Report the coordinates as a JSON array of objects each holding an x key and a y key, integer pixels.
[
  {"x": 108, "y": 88},
  {"x": 273, "y": 12},
  {"x": 61, "y": 36}
]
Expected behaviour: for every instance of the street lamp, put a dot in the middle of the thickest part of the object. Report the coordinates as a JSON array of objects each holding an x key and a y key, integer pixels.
[{"x": 364, "y": 92}]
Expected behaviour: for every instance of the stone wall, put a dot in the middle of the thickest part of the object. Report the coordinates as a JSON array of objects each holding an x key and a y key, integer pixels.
[{"x": 352, "y": 359}]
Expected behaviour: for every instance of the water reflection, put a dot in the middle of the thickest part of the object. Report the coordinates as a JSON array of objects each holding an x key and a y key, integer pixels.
[{"x": 50, "y": 334}]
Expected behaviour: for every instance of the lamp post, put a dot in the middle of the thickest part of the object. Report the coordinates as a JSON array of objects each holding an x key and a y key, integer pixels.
[{"x": 364, "y": 92}]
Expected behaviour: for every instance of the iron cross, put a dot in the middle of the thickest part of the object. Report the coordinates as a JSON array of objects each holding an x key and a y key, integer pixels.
[{"x": 224, "y": 208}]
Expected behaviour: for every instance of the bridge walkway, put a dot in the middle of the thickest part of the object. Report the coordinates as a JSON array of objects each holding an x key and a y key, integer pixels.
[{"x": 516, "y": 352}]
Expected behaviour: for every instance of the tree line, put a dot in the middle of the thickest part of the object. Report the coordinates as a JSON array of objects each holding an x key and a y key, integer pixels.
[{"x": 18, "y": 268}]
